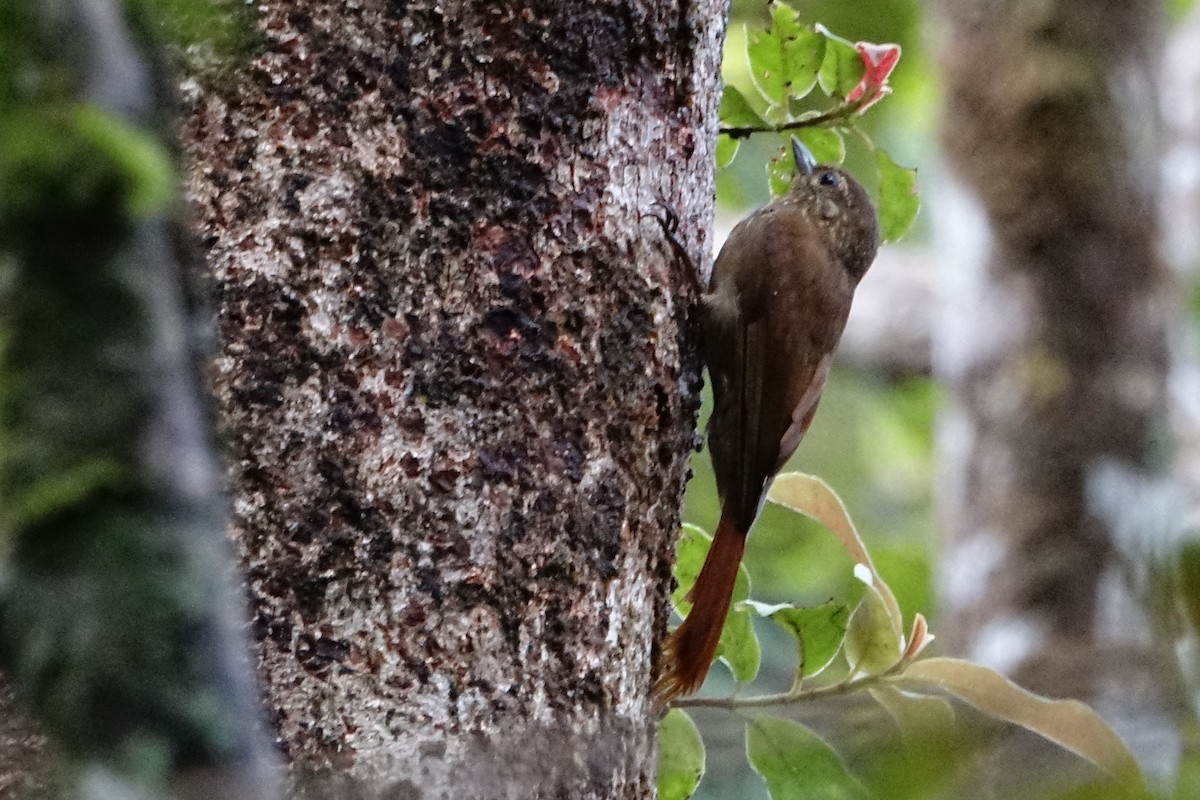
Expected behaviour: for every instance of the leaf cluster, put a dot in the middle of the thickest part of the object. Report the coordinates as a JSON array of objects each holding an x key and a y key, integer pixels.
[
  {"x": 790, "y": 64},
  {"x": 865, "y": 651}
]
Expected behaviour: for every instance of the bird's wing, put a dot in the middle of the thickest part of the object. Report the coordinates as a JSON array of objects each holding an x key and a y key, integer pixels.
[
  {"x": 802, "y": 415},
  {"x": 750, "y": 365},
  {"x": 769, "y": 331}
]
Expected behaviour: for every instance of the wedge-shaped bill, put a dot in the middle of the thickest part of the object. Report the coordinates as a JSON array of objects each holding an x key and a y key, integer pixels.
[{"x": 827, "y": 145}]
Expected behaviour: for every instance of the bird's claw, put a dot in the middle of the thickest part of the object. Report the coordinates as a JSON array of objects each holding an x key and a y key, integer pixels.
[{"x": 668, "y": 219}]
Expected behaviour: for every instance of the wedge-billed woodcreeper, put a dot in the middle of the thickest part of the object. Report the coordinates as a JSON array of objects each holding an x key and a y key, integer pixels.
[{"x": 771, "y": 319}]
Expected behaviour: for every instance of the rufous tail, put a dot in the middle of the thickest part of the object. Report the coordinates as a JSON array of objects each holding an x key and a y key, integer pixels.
[{"x": 689, "y": 650}]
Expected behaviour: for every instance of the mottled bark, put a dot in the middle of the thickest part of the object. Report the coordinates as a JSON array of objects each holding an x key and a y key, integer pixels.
[
  {"x": 457, "y": 380},
  {"x": 1053, "y": 341}
]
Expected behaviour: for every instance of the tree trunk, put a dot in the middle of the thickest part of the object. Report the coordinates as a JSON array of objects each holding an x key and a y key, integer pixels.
[
  {"x": 457, "y": 377},
  {"x": 1054, "y": 344}
]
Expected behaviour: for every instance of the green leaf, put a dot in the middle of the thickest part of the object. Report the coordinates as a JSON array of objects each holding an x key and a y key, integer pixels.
[
  {"x": 680, "y": 756},
  {"x": 796, "y": 764},
  {"x": 764, "y": 50},
  {"x": 874, "y": 641},
  {"x": 812, "y": 497},
  {"x": 780, "y": 171},
  {"x": 1068, "y": 723},
  {"x": 826, "y": 144},
  {"x": 898, "y": 198},
  {"x": 739, "y": 647},
  {"x": 766, "y": 65},
  {"x": 803, "y": 55},
  {"x": 727, "y": 149},
  {"x": 785, "y": 59},
  {"x": 801, "y": 49},
  {"x": 690, "y": 551},
  {"x": 917, "y": 715},
  {"x": 736, "y": 111},
  {"x": 819, "y": 632},
  {"x": 842, "y": 66},
  {"x": 143, "y": 160}
]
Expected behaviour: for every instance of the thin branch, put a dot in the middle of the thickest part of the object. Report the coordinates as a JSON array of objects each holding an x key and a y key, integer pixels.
[
  {"x": 838, "y": 113},
  {"x": 793, "y": 695}
]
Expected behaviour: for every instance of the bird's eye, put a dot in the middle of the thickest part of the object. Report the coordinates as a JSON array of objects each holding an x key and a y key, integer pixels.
[{"x": 828, "y": 179}]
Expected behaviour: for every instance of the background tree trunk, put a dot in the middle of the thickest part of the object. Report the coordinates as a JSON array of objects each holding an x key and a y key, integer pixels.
[
  {"x": 1053, "y": 341},
  {"x": 456, "y": 377},
  {"x": 117, "y": 630}
]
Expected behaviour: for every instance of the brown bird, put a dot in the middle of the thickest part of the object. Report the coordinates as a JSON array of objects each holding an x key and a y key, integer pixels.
[{"x": 774, "y": 311}]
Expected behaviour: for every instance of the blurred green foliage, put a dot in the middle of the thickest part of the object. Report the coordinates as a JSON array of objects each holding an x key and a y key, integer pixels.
[
  {"x": 1177, "y": 9},
  {"x": 100, "y": 611},
  {"x": 872, "y": 438},
  {"x": 221, "y": 27},
  {"x": 209, "y": 40},
  {"x": 64, "y": 205}
]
